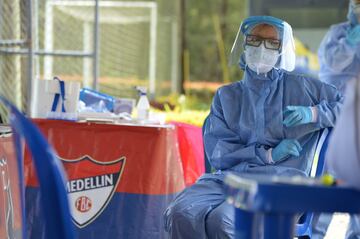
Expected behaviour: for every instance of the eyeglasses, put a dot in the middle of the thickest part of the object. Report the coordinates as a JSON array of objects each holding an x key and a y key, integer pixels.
[{"x": 272, "y": 44}]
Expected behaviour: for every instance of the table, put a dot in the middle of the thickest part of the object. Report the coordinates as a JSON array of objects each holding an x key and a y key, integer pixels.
[
  {"x": 270, "y": 204},
  {"x": 120, "y": 178}
]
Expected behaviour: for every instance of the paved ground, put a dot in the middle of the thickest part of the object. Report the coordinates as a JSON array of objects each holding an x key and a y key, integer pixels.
[{"x": 337, "y": 228}]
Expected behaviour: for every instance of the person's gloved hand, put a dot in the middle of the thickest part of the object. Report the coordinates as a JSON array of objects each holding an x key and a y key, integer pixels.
[
  {"x": 297, "y": 115},
  {"x": 286, "y": 148},
  {"x": 353, "y": 36}
]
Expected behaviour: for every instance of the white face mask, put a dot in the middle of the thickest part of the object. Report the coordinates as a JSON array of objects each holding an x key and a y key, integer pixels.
[{"x": 260, "y": 59}]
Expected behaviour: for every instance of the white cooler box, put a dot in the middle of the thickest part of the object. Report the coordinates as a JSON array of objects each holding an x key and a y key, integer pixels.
[{"x": 43, "y": 100}]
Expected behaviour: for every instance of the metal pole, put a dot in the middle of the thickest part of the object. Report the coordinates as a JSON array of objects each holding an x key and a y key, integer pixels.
[
  {"x": 30, "y": 56},
  {"x": 1, "y": 18},
  {"x": 14, "y": 42},
  {"x": 152, "y": 63},
  {"x": 36, "y": 38},
  {"x": 2, "y": 23},
  {"x": 249, "y": 8},
  {"x": 87, "y": 46},
  {"x": 96, "y": 46},
  {"x": 48, "y": 41},
  {"x": 36, "y": 74},
  {"x": 60, "y": 53},
  {"x": 183, "y": 45},
  {"x": 174, "y": 57}
]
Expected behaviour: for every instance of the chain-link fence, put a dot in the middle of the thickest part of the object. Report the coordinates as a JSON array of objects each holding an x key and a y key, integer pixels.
[
  {"x": 14, "y": 36},
  {"x": 109, "y": 45}
]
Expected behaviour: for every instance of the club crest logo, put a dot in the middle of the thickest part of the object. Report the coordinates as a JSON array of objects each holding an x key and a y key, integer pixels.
[{"x": 91, "y": 185}]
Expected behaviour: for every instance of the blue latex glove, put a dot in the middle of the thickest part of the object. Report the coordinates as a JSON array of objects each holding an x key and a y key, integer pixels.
[
  {"x": 353, "y": 36},
  {"x": 286, "y": 148},
  {"x": 297, "y": 115}
]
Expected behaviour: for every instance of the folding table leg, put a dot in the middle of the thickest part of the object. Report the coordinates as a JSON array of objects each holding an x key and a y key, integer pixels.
[
  {"x": 279, "y": 226},
  {"x": 245, "y": 225}
]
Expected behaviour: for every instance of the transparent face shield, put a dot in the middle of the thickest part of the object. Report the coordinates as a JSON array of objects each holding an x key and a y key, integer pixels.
[{"x": 285, "y": 45}]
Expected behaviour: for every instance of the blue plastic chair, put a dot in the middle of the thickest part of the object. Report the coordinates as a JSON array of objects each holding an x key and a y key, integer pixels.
[
  {"x": 303, "y": 228},
  {"x": 268, "y": 205},
  {"x": 50, "y": 174}
]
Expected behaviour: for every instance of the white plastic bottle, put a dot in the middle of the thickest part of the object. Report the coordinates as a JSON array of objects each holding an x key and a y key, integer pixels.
[{"x": 143, "y": 105}]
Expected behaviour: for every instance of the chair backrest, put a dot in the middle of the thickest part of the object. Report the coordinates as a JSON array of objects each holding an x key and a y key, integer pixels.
[
  {"x": 50, "y": 174},
  {"x": 317, "y": 168},
  {"x": 304, "y": 227}
]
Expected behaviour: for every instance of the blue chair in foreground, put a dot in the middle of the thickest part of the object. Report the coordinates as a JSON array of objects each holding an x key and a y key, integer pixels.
[
  {"x": 50, "y": 174},
  {"x": 268, "y": 206}
]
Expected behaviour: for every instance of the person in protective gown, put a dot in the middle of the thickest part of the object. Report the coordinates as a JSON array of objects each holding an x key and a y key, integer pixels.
[
  {"x": 343, "y": 154},
  {"x": 339, "y": 57},
  {"x": 267, "y": 123},
  {"x": 339, "y": 51}
]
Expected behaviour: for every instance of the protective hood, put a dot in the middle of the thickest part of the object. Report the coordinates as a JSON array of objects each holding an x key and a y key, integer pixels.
[{"x": 354, "y": 12}]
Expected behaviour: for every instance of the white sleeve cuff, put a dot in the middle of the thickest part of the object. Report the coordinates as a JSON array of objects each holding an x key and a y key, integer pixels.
[
  {"x": 314, "y": 111},
  {"x": 269, "y": 156}
]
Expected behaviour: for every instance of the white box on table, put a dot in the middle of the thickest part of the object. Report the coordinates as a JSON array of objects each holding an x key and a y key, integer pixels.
[{"x": 43, "y": 100}]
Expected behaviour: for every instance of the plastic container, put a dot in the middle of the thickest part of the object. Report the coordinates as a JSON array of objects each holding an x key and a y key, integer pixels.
[
  {"x": 143, "y": 105},
  {"x": 122, "y": 105},
  {"x": 99, "y": 101}
]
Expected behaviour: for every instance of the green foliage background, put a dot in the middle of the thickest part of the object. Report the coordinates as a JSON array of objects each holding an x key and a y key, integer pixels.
[
  {"x": 204, "y": 51},
  {"x": 201, "y": 38}
]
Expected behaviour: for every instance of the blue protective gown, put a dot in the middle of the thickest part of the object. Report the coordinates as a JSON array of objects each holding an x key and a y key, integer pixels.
[
  {"x": 343, "y": 146},
  {"x": 339, "y": 61},
  {"x": 339, "y": 64},
  {"x": 344, "y": 143},
  {"x": 245, "y": 122}
]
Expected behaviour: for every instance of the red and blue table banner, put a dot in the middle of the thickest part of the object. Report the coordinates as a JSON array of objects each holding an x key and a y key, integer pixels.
[{"x": 120, "y": 179}]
